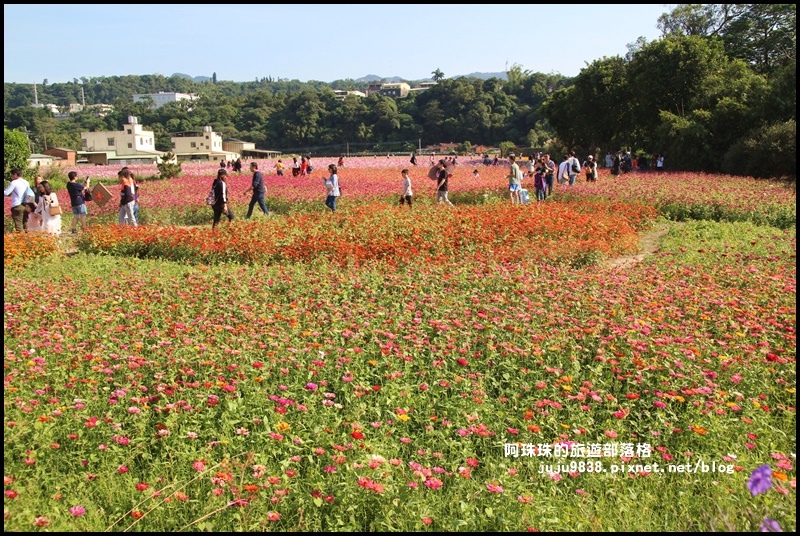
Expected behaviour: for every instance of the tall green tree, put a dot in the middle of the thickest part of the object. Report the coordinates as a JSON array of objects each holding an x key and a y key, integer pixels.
[{"x": 15, "y": 152}]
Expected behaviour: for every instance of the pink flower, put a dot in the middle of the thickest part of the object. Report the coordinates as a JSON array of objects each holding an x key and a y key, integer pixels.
[
  {"x": 122, "y": 469},
  {"x": 525, "y": 499},
  {"x": 199, "y": 466},
  {"x": 555, "y": 477},
  {"x": 433, "y": 483},
  {"x": 273, "y": 516},
  {"x": 427, "y": 520},
  {"x": 77, "y": 511},
  {"x": 659, "y": 404},
  {"x": 41, "y": 521},
  {"x": 311, "y": 386},
  {"x": 611, "y": 433},
  {"x": 494, "y": 488}
]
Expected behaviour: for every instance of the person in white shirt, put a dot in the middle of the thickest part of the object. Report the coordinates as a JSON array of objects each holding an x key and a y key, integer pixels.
[
  {"x": 574, "y": 168},
  {"x": 17, "y": 190},
  {"x": 332, "y": 188},
  {"x": 563, "y": 170},
  {"x": 406, "y": 195}
]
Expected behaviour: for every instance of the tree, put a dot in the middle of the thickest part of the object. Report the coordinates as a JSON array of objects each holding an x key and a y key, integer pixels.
[
  {"x": 167, "y": 168},
  {"x": 15, "y": 151},
  {"x": 437, "y": 75},
  {"x": 214, "y": 78}
]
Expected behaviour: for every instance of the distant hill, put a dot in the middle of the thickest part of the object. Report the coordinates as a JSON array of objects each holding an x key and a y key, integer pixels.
[
  {"x": 375, "y": 78},
  {"x": 482, "y": 76},
  {"x": 193, "y": 78}
]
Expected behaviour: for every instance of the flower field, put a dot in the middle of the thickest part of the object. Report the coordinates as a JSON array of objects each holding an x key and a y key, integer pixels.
[{"x": 467, "y": 368}]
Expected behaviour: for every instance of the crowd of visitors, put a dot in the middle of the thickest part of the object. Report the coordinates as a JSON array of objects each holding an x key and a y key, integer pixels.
[{"x": 37, "y": 208}]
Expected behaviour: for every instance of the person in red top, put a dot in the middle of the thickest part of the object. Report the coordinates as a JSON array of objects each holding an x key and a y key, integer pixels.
[{"x": 303, "y": 166}]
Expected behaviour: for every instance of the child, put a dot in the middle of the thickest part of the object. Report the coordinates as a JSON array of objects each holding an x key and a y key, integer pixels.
[
  {"x": 279, "y": 168},
  {"x": 539, "y": 183},
  {"x": 406, "y": 194},
  {"x": 475, "y": 174}
]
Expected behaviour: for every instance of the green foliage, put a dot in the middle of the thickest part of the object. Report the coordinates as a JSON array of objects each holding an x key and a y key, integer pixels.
[
  {"x": 167, "y": 168},
  {"x": 56, "y": 177},
  {"x": 507, "y": 147},
  {"x": 464, "y": 148},
  {"x": 15, "y": 152},
  {"x": 768, "y": 152}
]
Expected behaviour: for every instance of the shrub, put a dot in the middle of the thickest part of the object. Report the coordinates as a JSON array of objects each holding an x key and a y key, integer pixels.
[
  {"x": 768, "y": 152},
  {"x": 167, "y": 168}
]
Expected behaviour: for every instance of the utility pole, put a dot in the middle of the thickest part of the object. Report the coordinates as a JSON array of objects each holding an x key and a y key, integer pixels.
[
  {"x": 83, "y": 98},
  {"x": 35, "y": 94}
]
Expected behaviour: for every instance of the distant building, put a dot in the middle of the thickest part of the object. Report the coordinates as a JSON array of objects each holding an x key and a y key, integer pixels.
[
  {"x": 131, "y": 145},
  {"x": 39, "y": 160},
  {"x": 205, "y": 145},
  {"x": 427, "y": 85},
  {"x": 341, "y": 94},
  {"x": 161, "y": 98},
  {"x": 247, "y": 149},
  {"x": 373, "y": 88},
  {"x": 398, "y": 90},
  {"x": 62, "y": 157}
]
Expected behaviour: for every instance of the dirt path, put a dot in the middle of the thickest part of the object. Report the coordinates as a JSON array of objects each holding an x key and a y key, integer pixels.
[{"x": 649, "y": 242}]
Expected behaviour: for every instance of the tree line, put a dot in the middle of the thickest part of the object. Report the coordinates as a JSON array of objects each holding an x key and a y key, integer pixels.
[{"x": 716, "y": 92}]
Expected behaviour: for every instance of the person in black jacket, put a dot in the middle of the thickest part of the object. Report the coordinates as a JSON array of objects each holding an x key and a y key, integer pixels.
[
  {"x": 221, "y": 195},
  {"x": 258, "y": 189}
]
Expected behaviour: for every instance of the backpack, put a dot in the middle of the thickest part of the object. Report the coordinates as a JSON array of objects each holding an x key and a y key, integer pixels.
[
  {"x": 575, "y": 167},
  {"x": 212, "y": 198}
]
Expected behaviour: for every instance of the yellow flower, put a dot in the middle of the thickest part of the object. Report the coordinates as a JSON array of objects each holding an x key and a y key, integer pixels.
[
  {"x": 283, "y": 426},
  {"x": 372, "y": 362},
  {"x": 403, "y": 417}
]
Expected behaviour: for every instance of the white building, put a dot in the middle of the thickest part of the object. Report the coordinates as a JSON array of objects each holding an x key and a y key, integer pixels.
[
  {"x": 342, "y": 93},
  {"x": 131, "y": 145},
  {"x": 205, "y": 145},
  {"x": 161, "y": 98}
]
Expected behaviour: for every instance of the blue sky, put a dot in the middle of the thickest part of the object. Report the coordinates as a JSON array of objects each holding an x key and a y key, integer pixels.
[{"x": 324, "y": 42}]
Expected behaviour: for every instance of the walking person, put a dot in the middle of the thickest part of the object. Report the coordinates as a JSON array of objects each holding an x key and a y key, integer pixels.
[
  {"x": 76, "y": 193},
  {"x": 514, "y": 180},
  {"x": 18, "y": 191},
  {"x": 549, "y": 175},
  {"x": 279, "y": 168},
  {"x": 590, "y": 168},
  {"x": 49, "y": 209},
  {"x": 258, "y": 189},
  {"x": 221, "y": 206},
  {"x": 539, "y": 183},
  {"x": 441, "y": 184},
  {"x": 573, "y": 168},
  {"x": 616, "y": 164},
  {"x": 127, "y": 200},
  {"x": 332, "y": 188},
  {"x": 406, "y": 194},
  {"x": 563, "y": 167}
]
